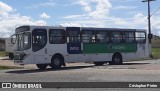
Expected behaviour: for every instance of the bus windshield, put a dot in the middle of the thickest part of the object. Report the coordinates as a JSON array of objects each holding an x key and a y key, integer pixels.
[{"x": 23, "y": 41}]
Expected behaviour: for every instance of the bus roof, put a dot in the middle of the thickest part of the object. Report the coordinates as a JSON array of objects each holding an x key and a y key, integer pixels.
[{"x": 82, "y": 28}]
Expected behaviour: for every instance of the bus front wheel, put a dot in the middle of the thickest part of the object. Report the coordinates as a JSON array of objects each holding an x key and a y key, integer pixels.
[
  {"x": 42, "y": 66},
  {"x": 56, "y": 62},
  {"x": 116, "y": 59}
]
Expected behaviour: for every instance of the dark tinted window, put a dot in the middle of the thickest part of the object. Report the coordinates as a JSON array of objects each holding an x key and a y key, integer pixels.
[
  {"x": 73, "y": 36},
  {"x": 102, "y": 37},
  {"x": 116, "y": 37},
  {"x": 128, "y": 37},
  {"x": 56, "y": 36},
  {"x": 39, "y": 39},
  {"x": 27, "y": 41},
  {"x": 88, "y": 36}
]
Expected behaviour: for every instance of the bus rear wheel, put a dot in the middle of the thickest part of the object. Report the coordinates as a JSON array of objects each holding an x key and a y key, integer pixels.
[
  {"x": 98, "y": 63},
  {"x": 42, "y": 66},
  {"x": 56, "y": 62},
  {"x": 116, "y": 59}
]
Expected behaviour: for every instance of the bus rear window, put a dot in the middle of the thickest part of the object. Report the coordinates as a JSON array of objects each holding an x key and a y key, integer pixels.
[{"x": 140, "y": 37}]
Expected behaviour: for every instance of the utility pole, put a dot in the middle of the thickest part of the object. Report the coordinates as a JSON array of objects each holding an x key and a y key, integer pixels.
[
  {"x": 149, "y": 28},
  {"x": 149, "y": 21}
]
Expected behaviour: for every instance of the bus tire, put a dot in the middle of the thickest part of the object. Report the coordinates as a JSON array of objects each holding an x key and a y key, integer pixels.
[
  {"x": 116, "y": 59},
  {"x": 42, "y": 66},
  {"x": 98, "y": 63},
  {"x": 56, "y": 62}
]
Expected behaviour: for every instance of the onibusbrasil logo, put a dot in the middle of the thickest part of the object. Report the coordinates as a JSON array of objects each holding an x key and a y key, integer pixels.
[{"x": 20, "y": 85}]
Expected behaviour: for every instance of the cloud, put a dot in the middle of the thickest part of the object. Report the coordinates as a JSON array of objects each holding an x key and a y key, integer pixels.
[
  {"x": 99, "y": 16},
  {"x": 76, "y": 17},
  {"x": 102, "y": 9},
  {"x": 94, "y": 9},
  {"x": 45, "y": 4},
  {"x": 71, "y": 25},
  {"x": 45, "y": 16},
  {"x": 87, "y": 8},
  {"x": 155, "y": 23},
  {"x": 9, "y": 22},
  {"x": 124, "y": 7},
  {"x": 5, "y": 9},
  {"x": 123, "y": 0},
  {"x": 95, "y": 13}
]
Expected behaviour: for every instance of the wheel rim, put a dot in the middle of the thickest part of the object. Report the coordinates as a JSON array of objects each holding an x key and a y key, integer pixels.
[{"x": 57, "y": 61}]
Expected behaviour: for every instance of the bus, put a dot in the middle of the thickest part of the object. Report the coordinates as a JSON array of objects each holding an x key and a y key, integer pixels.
[{"x": 55, "y": 46}]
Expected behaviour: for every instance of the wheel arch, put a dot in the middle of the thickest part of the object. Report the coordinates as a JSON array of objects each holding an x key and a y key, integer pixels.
[
  {"x": 59, "y": 55},
  {"x": 117, "y": 53}
]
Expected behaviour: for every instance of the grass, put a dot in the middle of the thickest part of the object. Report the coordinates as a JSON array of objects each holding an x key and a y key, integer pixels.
[
  {"x": 9, "y": 67},
  {"x": 156, "y": 53},
  {"x": 2, "y": 53}
]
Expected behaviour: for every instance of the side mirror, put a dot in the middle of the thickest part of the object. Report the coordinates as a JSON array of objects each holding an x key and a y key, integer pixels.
[{"x": 13, "y": 38}]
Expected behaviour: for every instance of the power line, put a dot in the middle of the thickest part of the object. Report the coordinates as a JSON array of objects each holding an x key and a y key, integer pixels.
[{"x": 155, "y": 11}]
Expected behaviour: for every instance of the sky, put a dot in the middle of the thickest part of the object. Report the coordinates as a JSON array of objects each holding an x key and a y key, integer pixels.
[{"x": 77, "y": 13}]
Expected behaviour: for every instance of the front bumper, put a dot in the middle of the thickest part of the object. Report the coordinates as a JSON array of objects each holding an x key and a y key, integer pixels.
[{"x": 18, "y": 58}]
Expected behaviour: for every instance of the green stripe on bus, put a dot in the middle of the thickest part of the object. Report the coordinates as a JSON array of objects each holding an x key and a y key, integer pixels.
[{"x": 109, "y": 48}]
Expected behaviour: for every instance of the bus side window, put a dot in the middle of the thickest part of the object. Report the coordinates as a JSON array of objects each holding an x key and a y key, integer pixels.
[
  {"x": 128, "y": 37},
  {"x": 102, "y": 37},
  {"x": 56, "y": 36},
  {"x": 88, "y": 36},
  {"x": 116, "y": 37},
  {"x": 140, "y": 37},
  {"x": 73, "y": 36}
]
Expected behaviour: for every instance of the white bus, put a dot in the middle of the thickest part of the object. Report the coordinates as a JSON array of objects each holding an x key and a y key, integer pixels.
[{"x": 55, "y": 46}]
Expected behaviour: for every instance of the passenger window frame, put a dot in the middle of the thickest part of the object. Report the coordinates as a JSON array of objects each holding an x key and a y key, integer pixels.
[
  {"x": 63, "y": 37},
  {"x": 128, "y": 37},
  {"x": 92, "y": 41},
  {"x": 79, "y": 37},
  {"x": 113, "y": 38},
  {"x": 107, "y": 37}
]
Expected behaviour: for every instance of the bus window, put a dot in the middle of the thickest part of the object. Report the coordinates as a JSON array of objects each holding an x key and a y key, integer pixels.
[
  {"x": 140, "y": 37},
  {"x": 128, "y": 37},
  {"x": 56, "y": 36},
  {"x": 39, "y": 39},
  {"x": 88, "y": 36},
  {"x": 27, "y": 41},
  {"x": 102, "y": 37},
  {"x": 73, "y": 36},
  {"x": 116, "y": 37}
]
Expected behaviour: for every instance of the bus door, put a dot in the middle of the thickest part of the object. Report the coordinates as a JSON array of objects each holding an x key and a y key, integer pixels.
[
  {"x": 73, "y": 40},
  {"x": 39, "y": 49}
]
